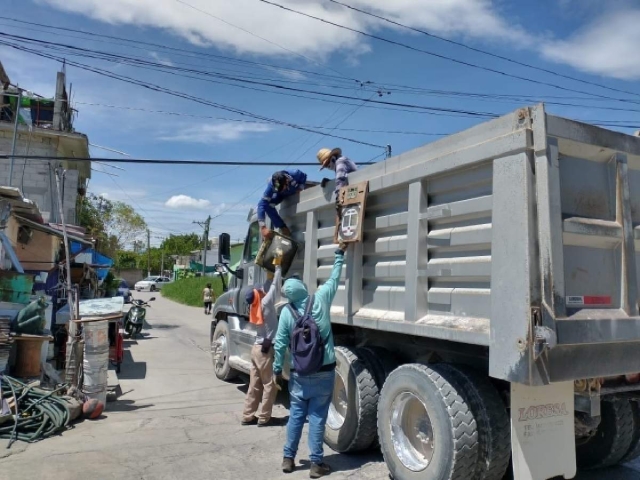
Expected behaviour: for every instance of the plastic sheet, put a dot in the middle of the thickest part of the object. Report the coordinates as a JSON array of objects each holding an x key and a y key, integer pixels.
[{"x": 96, "y": 360}]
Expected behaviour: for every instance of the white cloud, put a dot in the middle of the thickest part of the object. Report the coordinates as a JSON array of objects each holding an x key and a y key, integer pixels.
[
  {"x": 473, "y": 18},
  {"x": 186, "y": 202},
  {"x": 608, "y": 46},
  {"x": 161, "y": 60},
  {"x": 215, "y": 132}
]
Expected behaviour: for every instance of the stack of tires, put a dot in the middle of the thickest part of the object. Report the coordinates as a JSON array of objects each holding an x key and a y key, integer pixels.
[{"x": 437, "y": 421}]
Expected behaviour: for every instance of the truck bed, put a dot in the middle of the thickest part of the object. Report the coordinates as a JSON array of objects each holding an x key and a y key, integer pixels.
[{"x": 518, "y": 235}]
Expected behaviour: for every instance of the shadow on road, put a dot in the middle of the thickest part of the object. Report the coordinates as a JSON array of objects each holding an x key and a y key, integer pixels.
[
  {"x": 340, "y": 462},
  {"x": 132, "y": 370},
  {"x": 126, "y": 406}
]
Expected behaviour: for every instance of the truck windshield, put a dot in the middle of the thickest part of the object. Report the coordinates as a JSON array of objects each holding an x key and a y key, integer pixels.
[{"x": 253, "y": 243}]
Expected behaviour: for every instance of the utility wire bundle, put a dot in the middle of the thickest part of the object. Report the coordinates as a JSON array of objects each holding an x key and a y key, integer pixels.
[{"x": 38, "y": 413}]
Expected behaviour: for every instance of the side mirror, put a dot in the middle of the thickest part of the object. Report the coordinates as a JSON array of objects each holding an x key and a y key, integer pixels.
[
  {"x": 224, "y": 249},
  {"x": 152, "y": 299}
]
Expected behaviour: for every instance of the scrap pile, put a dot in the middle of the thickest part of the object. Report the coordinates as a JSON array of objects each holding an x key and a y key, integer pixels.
[
  {"x": 5, "y": 342},
  {"x": 36, "y": 413}
]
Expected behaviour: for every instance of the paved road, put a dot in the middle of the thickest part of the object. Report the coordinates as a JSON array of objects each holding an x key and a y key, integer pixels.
[{"x": 175, "y": 420}]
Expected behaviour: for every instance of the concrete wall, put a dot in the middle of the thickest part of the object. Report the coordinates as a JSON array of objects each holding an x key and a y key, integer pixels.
[
  {"x": 35, "y": 177},
  {"x": 40, "y": 253},
  {"x": 131, "y": 276}
]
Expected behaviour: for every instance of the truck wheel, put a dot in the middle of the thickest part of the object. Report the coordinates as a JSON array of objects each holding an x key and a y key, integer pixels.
[
  {"x": 220, "y": 352},
  {"x": 611, "y": 440},
  {"x": 634, "y": 450},
  {"x": 494, "y": 429},
  {"x": 382, "y": 361},
  {"x": 351, "y": 424},
  {"x": 426, "y": 428}
]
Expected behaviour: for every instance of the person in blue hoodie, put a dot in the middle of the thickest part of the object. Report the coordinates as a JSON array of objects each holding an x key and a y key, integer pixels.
[
  {"x": 310, "y": 395},
  {"x": 282, "y": 185}
]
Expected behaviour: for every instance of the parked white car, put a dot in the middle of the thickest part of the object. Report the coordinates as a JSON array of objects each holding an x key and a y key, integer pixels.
[{"x": 151, "y": 283}]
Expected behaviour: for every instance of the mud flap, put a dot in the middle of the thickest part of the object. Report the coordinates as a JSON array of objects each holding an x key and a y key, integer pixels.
[{"x": 542, "y": 431}]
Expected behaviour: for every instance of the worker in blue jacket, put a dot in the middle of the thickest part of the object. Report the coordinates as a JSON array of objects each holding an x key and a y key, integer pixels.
[{"x": 282, "y": 185}]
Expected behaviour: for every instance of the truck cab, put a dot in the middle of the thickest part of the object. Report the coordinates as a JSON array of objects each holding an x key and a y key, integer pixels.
[{"x": 232, "y": 335}]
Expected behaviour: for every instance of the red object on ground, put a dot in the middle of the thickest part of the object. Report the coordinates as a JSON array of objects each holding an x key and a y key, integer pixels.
[{"x": 92, "y": 408}]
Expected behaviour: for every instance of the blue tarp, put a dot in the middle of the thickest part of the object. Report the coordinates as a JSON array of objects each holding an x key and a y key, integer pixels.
[{"x": 96, "y": 259}]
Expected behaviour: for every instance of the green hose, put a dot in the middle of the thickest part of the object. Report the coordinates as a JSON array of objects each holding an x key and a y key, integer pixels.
[{"x": 39, "y": 414}]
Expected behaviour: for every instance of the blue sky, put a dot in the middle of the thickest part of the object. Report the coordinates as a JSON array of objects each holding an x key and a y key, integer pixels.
[{"x": 581, "y": 38}]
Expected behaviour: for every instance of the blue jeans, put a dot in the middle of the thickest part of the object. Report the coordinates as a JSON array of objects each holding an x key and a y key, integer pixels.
[{"x": 309, "y": 395}]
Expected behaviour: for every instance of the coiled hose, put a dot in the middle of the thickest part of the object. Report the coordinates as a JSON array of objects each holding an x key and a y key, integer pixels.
[{"x": 38, "y": 413}]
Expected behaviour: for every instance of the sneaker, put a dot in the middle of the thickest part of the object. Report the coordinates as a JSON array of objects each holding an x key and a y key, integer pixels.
[
  {"x": 288, "y": 465},
  {"x": 253, "y": 421},
  {"x": 319, "y": 470}
]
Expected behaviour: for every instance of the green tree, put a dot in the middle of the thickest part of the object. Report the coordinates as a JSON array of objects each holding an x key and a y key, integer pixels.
[
  {"x": 181, "y": 244},
  {"x": 125, "y": 224},
  {"x": 114, "y": 225}
]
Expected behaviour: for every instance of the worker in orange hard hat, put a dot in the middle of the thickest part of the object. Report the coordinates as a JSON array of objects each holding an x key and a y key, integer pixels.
[{"x": 334, "y": 160}]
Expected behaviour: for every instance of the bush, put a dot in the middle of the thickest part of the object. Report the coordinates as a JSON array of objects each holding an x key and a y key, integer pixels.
[{"x": 188, "y": 291}]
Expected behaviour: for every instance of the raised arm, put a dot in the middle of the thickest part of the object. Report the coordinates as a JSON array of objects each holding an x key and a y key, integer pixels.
[
  {"x": 273, "y": 293},
  {"x": 327, "y": 291}
]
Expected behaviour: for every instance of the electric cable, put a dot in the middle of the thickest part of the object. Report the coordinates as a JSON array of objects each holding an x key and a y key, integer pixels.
[
  {"x": 484, "y": 52},
  {"x": 438, "y": 55}
]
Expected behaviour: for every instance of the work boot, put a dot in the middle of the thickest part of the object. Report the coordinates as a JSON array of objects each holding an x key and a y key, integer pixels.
[
  {"x": 288, "y": 465},
  {"x": 319, "y": 470}
]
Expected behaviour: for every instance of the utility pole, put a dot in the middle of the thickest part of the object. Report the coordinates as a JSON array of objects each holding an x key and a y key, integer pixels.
[
  {"x": 205, "y": 242},
  {"x": 16, "y": 114},
  {"x": 162, "y": 264},
  {"x": 148, "y": 253}
]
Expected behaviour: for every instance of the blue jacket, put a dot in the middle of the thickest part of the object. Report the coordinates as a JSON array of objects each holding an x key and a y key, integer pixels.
[
  {"x": 296, "y": 292},
  {"x": 271, "y": 198}
]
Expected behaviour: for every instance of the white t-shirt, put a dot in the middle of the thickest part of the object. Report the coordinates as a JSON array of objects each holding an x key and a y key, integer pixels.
[{"x": 207, "y": 294}]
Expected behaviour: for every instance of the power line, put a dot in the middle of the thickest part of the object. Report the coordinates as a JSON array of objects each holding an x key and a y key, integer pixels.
[
  {"x": 157, "y": 88},
  {"x": 209, "y": 117},
  {"x": 155, "y": 161},
  {"x": 256, "y": 35},
  {"x": 484, "y": 52},
  {"x": 437, "y": 55},
  {"x": 182, "y": 51},
  {"x": 169, "y": 69}
]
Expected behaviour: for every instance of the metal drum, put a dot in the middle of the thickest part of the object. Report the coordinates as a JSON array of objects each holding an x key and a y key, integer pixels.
[{"x": 96, "y": 360}]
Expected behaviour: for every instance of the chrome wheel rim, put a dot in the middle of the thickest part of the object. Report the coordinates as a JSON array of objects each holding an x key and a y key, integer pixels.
[
  {"x": 219, "y": 351},
  {"x": 412, "y": 432},
  {"x": 339, "y": 404}
]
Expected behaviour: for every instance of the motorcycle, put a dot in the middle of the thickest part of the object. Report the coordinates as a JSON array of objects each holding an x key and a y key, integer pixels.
[{"x": 134, "y": 320}]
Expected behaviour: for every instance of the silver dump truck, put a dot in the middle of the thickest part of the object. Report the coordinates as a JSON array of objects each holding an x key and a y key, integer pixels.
[{"x": 489, "y": 318}]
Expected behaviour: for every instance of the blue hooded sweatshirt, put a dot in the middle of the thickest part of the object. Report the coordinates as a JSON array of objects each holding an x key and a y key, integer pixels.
[
  {"x": 296, "y": 292},
  {"x": 271, "y": 198}
]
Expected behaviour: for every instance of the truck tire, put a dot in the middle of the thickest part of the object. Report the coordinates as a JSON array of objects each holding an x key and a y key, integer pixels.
[
  {"x": 611, "y": 441},
  {"x": 426, "y": 428},
  {"x": 634, "y": 450},
  {"x": 494, "y": 428},
  {"x": 382, "y": 361},
  {"x": 351, "y": 424},
  {"x": 220, "y": 352}
]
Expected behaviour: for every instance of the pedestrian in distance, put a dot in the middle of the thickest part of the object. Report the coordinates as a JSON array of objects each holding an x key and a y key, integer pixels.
[
  {"x": 282, "y": 185},
  {"x": 262, "y": 391},
  {"x": 341, "y": 165},
  {"x": 305, "y": 327},
  {"x": 207, "y": 296}
]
